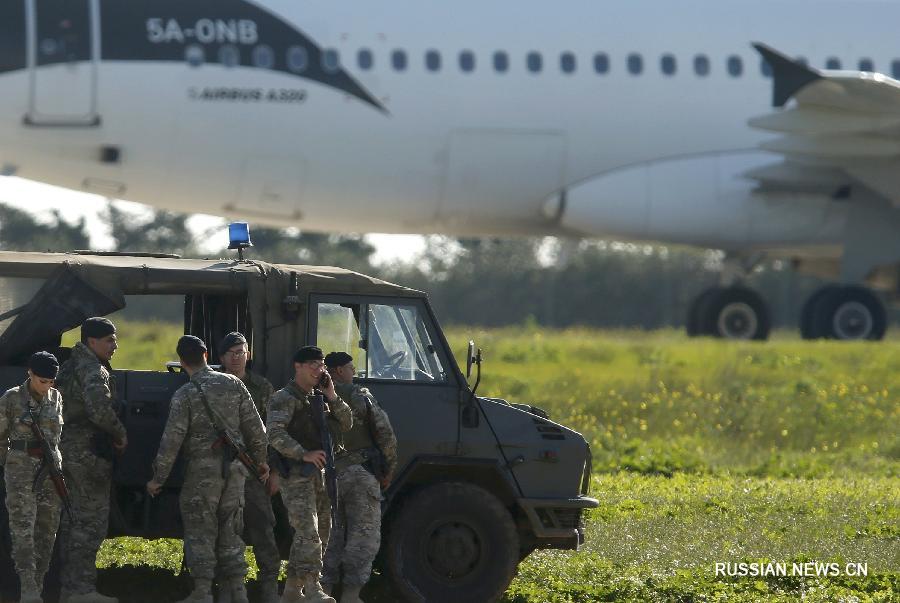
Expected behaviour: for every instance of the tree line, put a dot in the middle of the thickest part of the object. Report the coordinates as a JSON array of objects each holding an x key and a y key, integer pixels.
[{"x": 471, "y": 281}]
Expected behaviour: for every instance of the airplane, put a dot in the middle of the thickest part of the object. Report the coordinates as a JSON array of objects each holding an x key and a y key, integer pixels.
[{"x": 765, "y": 129}]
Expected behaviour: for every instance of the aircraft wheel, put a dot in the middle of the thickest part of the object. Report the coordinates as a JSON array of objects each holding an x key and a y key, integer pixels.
[
  {"x": 810, "y": 327},
  {"x": 694, "y": 321},
  {"x": 735, "y": 313},
  {"x": 850, "y": 313}
]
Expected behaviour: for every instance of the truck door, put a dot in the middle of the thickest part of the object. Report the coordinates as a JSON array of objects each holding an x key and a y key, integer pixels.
[
  {"x": 397, "y": 356},
  {"x": 63, "y": 58},
  {"x": 145, "y": 397}
]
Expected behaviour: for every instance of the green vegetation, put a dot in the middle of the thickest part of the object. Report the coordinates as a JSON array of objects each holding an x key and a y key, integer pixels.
[{"x": 704, "y": 452}]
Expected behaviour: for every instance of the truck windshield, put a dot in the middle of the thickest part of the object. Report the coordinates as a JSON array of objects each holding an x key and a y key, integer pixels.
[{"x": 386, "y": 341}]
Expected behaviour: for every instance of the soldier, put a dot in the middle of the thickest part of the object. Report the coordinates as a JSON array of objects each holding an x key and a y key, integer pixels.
[
  {"x": 294, "y": 434},
  {"x": 259, "y": 520},
  {"x": 93, "y": 434},
  {"x": 365, "y": 467},
  {"x": 33, "y": 507},
  {"x": 210, "y": 405}
]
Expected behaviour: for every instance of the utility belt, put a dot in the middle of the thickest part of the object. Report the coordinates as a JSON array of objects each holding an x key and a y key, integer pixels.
[
  {"x": 99, "y": 442},
  {"x": 370, "y": 458},
  {"x": 30, "y": 447}
]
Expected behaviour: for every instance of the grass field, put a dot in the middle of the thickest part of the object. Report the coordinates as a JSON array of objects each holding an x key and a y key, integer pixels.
[{"x": 704, "y": 452}]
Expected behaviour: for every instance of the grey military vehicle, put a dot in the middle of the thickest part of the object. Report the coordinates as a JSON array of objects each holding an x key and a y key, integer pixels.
[{"x": 481, "y": 482}]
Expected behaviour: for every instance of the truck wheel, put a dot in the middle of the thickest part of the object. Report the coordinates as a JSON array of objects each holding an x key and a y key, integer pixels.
[{"x": 452, "y": 542}]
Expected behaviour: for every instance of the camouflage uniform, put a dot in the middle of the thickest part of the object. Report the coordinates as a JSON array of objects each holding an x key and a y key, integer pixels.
[
  {"x": 355, "y": 541},
  {"x": 211, "y": 503},
  {"x": 88, "y": 389},
  {"x": 259, "y": 518},
  {"x": 33, "y": 516},
  {"x": 305, "y": 497}
]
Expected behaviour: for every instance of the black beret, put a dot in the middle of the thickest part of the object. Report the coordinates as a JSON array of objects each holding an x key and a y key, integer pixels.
[
  {"x": 337, "y": 359},
  {"x": 97, "y": 327},
  {"x": 232, "y": 339},
  {"x": 188, "y": 344},
  {"x": 44, "y": 364},
  {"x": 307, "y": 353}
]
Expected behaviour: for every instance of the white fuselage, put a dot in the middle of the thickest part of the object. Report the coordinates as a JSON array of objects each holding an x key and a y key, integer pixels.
[{"x": 657, "y": 156}]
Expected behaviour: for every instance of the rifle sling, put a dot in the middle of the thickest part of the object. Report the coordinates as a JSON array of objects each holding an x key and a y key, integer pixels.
[
  {"x": 209, "y": 413},
  {"x": 226, "y": 453}
]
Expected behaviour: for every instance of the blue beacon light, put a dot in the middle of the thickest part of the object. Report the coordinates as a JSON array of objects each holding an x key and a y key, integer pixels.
[{"x": 239, "y": 237}]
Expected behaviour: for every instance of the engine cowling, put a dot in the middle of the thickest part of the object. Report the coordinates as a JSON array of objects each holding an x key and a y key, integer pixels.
[{"x": 705, "y": 200}]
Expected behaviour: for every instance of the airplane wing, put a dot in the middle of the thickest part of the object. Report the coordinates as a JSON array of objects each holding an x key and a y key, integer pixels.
[{"x": 843, "y": 127}]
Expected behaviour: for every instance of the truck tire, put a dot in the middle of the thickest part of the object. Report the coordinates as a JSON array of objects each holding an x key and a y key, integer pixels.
[{"x": 452, "y": 542}]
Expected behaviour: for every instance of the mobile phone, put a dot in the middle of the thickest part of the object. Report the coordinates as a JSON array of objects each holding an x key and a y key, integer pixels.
[{"x": 325, "y": 379}]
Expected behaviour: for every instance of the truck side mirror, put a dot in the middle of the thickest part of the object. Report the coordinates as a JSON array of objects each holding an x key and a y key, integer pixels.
[{"x": 470, "y": 358}]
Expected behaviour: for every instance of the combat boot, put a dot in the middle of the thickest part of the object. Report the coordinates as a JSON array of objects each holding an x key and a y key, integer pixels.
[
  {"x": 312, "y": 591},
  {"x": 268, "y": 590},
  {"x": 202, "y": 592},
  {"x": 350, "y": 594},
  {"x": 291, "y": 592}
]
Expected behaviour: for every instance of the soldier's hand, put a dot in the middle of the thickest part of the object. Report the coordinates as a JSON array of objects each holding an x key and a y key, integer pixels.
[
  {"x": 386, "y": 481},
  {"x": 316, "y": 457},
  {"x": 274, "y": 484},
  {"x": 153, "y": 487},
  {"x": 263, "y": 472},
  {"x": 120, "y": 445},
  {"x": 327, "y": 387}
]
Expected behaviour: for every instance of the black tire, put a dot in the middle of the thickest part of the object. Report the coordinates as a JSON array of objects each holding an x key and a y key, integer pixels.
[
  {"x": 694, "y": 323},
  {"x": 850, "y": 313},
  {"x": 736, "y": 313},
  {"x": 810, "y": 325},
  {"x": 474, "y": 531}
]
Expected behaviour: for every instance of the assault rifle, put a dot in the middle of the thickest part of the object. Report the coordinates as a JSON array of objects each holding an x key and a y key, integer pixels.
[
  {"x": 377, "y": 463},
  {"x": 317, "y": 407},
  {"x": 231, "y": 448},
  {"x": 48, "y": 468}
]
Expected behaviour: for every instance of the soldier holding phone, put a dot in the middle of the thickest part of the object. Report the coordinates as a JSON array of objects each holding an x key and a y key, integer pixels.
[{"x": 293, "y": 433}]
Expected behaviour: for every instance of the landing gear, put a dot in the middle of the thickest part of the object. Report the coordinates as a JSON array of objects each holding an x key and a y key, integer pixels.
[
  {"x": 729, "y": 313},
  {"x": 844, "y": 313}
]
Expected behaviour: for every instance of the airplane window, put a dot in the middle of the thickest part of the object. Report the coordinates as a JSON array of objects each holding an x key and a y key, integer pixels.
[
  {"x": 601, "y": 62},
  {"x": 667, "y": 64},
  {"x": 895, "y": 69},
  {"x": 263, "y": 57},
  {"x": 331, "y": 60},
  {"x": 466, "y": 61},
  {"x": 635, "y": 64},
  {"x": 535, "y": 62},
  {"x": 501, "y": 61},
  {"x": 364, "y": 59},
  {"x": 701, "y": 65},
  {"x": 398, "y": 60},
  {"x": 833, "y": 63},
  {"x": 866, "y": 65},
  {"x": 194, "y": 55},
  {"x": 49, "y": 46},
  {"x": 765, "y": 68},
  {"x": 567, "y": 62},
  {"x": 735, "y": 66},
  {"x": 433, "y": 60},
  {"x": 297, "y": 58},
  {"x": 229, "y": 55}
]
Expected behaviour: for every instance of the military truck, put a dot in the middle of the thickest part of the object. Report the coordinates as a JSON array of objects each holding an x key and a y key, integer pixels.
[{"x": 481, "y": 482}]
